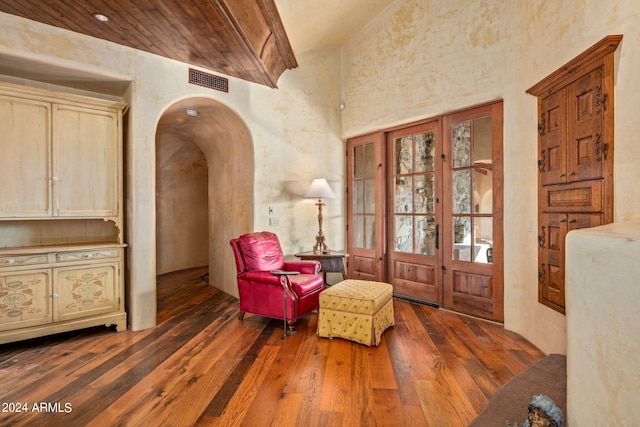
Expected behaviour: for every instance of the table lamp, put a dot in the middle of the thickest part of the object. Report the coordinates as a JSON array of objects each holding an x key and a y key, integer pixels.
[{"x": 320, "y": 190}]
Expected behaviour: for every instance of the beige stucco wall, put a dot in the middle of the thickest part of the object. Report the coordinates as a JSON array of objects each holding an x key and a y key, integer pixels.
[
  {"x": 421, "y": 59},
  {"x": 295, "y": 132},
  {"x": 182, "y": 208},
  {"x": 603, "y": 350}
]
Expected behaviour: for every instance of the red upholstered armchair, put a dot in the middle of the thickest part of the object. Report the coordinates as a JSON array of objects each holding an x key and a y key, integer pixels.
[{"x": 263, "y": 293}]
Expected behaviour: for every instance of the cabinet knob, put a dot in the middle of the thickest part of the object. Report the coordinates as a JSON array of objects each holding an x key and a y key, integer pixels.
[
  {"x": 561, "y": 221},
  {"x": 55, "y": 295},
  {"x": 570, "y": 173},
  {"x": 54, "y": 179},
  {"x": 561, "y": 175},
  {"x": 571, "y": 221}
]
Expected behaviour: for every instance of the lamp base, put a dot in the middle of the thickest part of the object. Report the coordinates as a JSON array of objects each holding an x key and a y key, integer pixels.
[{"x": 320, "y": 247}]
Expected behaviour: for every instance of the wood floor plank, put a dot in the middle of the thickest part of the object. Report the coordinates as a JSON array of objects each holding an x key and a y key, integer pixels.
[
  {"x": 185, "y": 378},
  {"x": 238, "y": 407},
  {"x": 388, "y": 409},
  {"x": 380, "y": 367},
  {"x": 203, "y": 366},
  {"x": 336, "y": 387}
]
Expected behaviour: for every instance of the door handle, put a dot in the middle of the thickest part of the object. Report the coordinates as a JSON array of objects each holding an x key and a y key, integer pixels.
[{"x": 437, "y": 236}]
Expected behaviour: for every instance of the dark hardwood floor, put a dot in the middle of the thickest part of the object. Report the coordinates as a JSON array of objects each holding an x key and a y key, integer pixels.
[{"x": 202, "y": 366}]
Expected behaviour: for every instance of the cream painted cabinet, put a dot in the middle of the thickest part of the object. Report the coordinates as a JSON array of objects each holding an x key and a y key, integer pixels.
[
  {"x": 86, "y": 290},
  {"x": 85, "y": 178},
  {"x": 25, "y": 298},
  {"x": 61, "y": 155},
  {"x": 60, "y": 291},
  {"x": 61, "y": 246},
  {"x": 25, "y": 162}
]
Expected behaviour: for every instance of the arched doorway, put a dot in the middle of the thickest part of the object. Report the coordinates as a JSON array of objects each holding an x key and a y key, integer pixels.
[{"x": 206, "y": 149}]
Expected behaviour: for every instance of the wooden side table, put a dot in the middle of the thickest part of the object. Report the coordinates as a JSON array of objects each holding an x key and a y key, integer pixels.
[{"x": 331, "y": 262}]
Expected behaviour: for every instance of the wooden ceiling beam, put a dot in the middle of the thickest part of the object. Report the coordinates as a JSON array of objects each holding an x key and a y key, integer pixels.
[{"x": 240, "y": 38}]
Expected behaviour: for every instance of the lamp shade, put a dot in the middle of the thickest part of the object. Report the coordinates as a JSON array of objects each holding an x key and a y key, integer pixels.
[{"x": 320, "y": 190}]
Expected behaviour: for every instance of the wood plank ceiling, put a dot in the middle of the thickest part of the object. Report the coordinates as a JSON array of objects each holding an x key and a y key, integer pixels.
[{"x": 240, "y": 38}]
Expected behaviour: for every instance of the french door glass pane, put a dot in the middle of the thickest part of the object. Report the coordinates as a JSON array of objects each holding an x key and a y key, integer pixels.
[
  {"x": 425, "y": 243},
  {"x": 461, "y": 144},
  {"x": 482, "y": 140},
  {"x": 403, "y": 203},
  {"x": 369, "y": 161},
  {"x": 424, "y": 194},
  {"x": 370, "y": 196},
  {"x": 404, "y": 233},
  {"x": 358, "y": 231},
  {"x": 404, "y": 155},
  {"x": 370, "y": 232},
  {"x": 461, "y": 191},
  {"x": 461, "y": 238},
  {"x": 358, "y": 197},
  {"x": 358, "y": 163},
  {"x": 425, "y": 152},
  {"x": 483, "y": 191},
  {"x": 483, "y": 240}
]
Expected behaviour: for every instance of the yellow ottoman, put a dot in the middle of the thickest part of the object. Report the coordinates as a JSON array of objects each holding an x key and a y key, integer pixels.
[{"x": 356, "y": 310}]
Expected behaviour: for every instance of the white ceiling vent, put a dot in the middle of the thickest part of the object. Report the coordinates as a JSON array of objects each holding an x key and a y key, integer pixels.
[{"x": 208, "y": 80}]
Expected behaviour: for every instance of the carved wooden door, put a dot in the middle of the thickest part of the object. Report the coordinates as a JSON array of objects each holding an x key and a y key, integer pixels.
[
  {"x": 575, "y": 188},
  {"x": 365, "y": 206}
]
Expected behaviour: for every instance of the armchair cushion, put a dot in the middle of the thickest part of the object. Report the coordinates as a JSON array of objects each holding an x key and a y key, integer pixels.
[
  {"x": 304, "y": 284},
  {"x": 261, "y": 251}
]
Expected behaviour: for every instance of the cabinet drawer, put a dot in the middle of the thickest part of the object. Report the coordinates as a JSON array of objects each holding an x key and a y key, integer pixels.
[
  {"x": 585, "y": 196},
  {"x": 87, "y": 255},
  {"x": 16, "y": 260}
]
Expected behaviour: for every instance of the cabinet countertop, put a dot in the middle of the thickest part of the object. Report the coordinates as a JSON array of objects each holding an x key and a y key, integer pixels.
[{"x": 27, "y": 250}]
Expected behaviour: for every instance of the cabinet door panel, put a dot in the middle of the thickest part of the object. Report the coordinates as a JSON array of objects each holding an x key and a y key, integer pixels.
[
  {"x": 555, "y": 227},
  {"x": 24, "y": 163},
  {"x": 551, "y": 269},
  {"x": 25, "y": 299},
  {"x": 585, "y": 149},
  {"x": 585, "y": 196},
  {"x": 86, "y": 143},
  {"x": 553, "y": 134},
  {"x": 85, "y": 290}
]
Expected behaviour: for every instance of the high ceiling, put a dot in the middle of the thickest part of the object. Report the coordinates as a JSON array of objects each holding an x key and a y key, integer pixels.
[
  {"x": 320, "y": 24},
  {"x": 255, "y": 40}
]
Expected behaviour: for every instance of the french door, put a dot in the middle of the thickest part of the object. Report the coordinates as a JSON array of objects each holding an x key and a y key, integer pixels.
[
  {"x": 472, "y": 258},
  {"x": 425, "y": 211},
  {"x": 414, "y": 187},
  {"x": 366, "y": 237}
]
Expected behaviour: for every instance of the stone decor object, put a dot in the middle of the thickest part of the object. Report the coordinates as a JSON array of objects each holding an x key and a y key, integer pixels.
[{"x": 543, "y": 412}]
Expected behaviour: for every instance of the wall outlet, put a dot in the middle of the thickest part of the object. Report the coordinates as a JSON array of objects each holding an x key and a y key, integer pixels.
[{"x": 274, "y": 222}]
